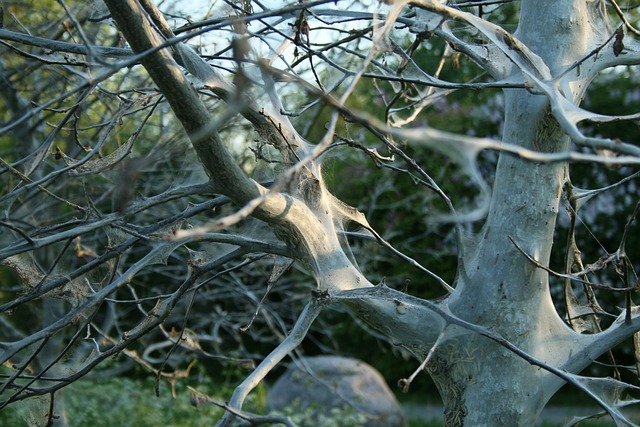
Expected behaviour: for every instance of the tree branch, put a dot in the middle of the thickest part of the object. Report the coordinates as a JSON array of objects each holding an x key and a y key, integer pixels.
[
  {"x": 225, "y": 174},
  {"x": 318, "y": 302},
  {"x": 62, "y": 46}
]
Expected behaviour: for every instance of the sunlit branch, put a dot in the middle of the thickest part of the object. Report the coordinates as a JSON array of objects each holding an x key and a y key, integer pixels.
[{"x": 623, "y": 17}]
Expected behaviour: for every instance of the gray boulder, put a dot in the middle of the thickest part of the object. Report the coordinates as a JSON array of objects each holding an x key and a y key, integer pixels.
[{"x": 336, "y": 391}]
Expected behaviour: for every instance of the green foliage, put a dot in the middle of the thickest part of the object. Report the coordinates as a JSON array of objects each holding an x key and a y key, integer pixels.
[
  {"x": 312, "y": 416},
  {"x": 420, "y": 423},
  {"x": 132, "y": 403},
  {"x": 122, "y": 402}
]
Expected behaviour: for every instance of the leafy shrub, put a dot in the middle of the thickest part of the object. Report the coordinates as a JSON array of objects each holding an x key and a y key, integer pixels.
[{"x": 117, "y": 401}]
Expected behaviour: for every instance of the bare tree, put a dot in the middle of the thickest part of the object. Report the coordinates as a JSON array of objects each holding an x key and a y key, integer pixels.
[{"x": 116, "y": 231}]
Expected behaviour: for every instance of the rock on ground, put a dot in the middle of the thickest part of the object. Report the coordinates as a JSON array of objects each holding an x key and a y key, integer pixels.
[{"x": 348, "y": 390}]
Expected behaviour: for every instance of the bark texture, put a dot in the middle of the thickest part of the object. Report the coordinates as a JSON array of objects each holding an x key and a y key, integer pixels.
[{"x": 498, "y": 286}]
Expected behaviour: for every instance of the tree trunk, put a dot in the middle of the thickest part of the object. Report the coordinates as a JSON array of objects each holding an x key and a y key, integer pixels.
[{"x": 498, "y": 287}]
